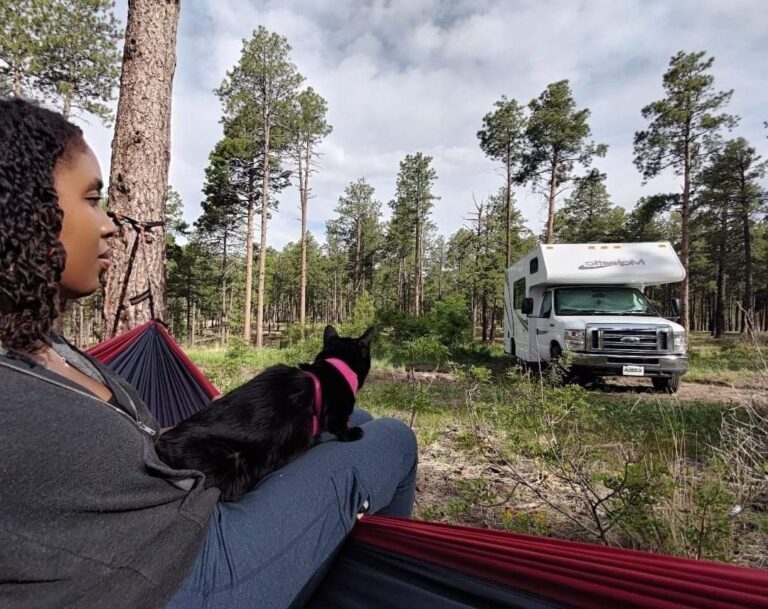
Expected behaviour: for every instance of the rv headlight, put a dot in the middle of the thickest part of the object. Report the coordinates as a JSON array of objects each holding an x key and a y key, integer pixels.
[
  {"x": 574, "y": 340},
  {"x": 679, "y": 342}
]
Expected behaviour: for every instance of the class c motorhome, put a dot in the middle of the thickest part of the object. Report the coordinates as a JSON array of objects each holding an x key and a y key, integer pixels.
[{"x": 588, "y": 299}]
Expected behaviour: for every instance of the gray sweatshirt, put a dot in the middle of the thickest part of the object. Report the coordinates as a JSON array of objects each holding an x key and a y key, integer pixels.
[{"x": 89, "y": 516}]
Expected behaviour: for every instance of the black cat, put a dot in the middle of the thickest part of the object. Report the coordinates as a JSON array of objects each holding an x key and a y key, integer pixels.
[{"x": 265, "y": 423}]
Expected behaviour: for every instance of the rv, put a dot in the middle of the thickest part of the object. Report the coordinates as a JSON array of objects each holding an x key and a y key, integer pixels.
[{"x": 588, "y": 299}]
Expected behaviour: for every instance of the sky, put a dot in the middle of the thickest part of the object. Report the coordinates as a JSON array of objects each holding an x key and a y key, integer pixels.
[{"x": 407, "y": 76}]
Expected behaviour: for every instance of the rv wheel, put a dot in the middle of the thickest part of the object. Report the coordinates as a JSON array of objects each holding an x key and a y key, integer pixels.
[{"x": 666, "y": 384}]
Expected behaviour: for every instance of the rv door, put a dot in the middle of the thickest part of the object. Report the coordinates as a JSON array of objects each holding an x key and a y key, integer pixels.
[{"x": 541, "y": 329}]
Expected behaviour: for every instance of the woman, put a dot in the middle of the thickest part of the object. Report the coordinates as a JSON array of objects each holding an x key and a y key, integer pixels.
[{"x": 89, "y": 516}]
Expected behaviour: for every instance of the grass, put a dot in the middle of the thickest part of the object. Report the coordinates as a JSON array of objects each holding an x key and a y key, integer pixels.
[
  {"x": 510, "y": 451},
  {"x": 733, "y": 359}
]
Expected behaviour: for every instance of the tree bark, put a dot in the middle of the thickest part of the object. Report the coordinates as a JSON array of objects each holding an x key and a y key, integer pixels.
[
  {"x": 224, "y": 320},
  {"x": 263, "y": 245},
  {"x": 249, "y": 263},
  {"x": 417, "y": 263},
  {"x": 719, "y": 326},
  {"x": 140, "y": 158},
  {"x": 67, "y": 109},
  {"x": 358, "y": 256},
  {"x": 303, "y": 178},
  {"x": 685, "y": 214},
  {"x": 552, "y": 193},
  {"x": 17, "y": 76},
  {"x": 748, "y": 303},
  {"x": 508, "y": 228}
]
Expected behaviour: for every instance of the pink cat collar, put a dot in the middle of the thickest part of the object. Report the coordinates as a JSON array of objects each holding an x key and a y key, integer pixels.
[{"x": 349, "y": 376}]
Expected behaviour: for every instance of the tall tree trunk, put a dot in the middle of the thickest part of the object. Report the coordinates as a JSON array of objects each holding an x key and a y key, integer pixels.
[
  {"x": 552, "y": 193},
  {"x": 484, "y": 316},
  {"x": 748, "y": 303},
  {"x": 493, "y": 321},
  {"x": 303, "y": 184},
  {"x": 508, "y": 228},
  {"x": 141, "y": 152},
  {"x": 194, "y": 321},
  {"x": 247, "y": 313},
  {"x": 358, "y": 257},
  {"x": 263, "y": 246},
  {"x": 224, "y": 320},
  {"x": 719, "y": 327},
  {"x": 67, "y": 109},
  {"x": 684, "y": 249},
  {"x": 417, "y": 268}
]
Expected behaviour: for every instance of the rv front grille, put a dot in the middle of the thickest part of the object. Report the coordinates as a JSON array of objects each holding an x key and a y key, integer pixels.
[
  {"x": 629, "y": 339},
  {"x": 649, "y": 361}
]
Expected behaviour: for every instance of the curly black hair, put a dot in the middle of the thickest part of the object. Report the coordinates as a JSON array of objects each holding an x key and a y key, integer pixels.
[{"x": 32, "y": 141}]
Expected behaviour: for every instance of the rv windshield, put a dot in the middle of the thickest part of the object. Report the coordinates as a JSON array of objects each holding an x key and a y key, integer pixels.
[{"x": 602, "y": 301}]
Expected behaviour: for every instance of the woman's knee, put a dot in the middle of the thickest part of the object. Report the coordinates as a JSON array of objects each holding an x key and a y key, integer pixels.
[
  {"x": 400, "y": 434},
  {"x": 360, "y": 417}
]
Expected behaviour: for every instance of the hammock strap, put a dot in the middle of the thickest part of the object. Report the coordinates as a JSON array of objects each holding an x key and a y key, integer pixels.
[{"x": 140, "y": 228}]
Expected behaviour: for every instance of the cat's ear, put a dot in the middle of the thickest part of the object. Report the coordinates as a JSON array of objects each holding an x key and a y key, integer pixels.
[
  {"x": 367, "y": 337},
  {"x": 329, "y": 333}
]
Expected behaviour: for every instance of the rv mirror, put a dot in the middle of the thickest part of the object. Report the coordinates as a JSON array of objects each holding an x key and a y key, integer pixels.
[
  {"x": 676, "y": 306},
  {"x": 527, "y": 307}
]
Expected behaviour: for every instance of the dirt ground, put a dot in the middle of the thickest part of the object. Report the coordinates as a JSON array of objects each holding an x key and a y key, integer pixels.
[
  {"x": 689, "y": 391},
  {"x": 446, "y": 461}
]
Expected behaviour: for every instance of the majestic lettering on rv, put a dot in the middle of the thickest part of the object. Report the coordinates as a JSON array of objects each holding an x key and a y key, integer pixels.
[{"x": 601, "y": 264}]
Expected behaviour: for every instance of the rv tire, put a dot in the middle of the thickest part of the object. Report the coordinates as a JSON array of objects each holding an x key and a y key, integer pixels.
[{"x": 666, "y": 384}]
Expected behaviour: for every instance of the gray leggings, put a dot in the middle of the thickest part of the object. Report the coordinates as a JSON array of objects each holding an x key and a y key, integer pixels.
[{"x": 272, "y": 546}]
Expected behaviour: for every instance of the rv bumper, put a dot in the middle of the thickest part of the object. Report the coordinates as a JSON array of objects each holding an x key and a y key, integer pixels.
[{"x": 608, "y": 365}]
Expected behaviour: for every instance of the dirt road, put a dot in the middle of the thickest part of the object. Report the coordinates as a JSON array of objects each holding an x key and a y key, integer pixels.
[{"x": 688, "y": 391}]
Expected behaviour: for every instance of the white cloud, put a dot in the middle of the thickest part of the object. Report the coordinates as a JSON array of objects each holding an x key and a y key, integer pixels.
[{"x": 402, "y": 76}]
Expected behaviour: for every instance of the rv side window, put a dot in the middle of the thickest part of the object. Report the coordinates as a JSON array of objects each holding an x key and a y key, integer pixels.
[
  {"x": 518, "y": 291},
  {"x": 534, "y": 265},
  {"x": 546, "y": 305}
]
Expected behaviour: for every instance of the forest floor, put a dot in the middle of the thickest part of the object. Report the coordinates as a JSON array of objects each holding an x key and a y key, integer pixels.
[{"x": 620, "y": 464}]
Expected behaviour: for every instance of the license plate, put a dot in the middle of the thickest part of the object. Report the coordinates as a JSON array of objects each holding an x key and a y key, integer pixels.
[{"x": 633, "y": 371}]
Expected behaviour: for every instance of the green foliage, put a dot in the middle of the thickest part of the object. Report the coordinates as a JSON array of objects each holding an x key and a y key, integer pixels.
[
  {"x": 61, "y": 50},
  {"x": 357, "y": 233},
  {"x": 528, "y": 523},
  {"x": 556, "y": 137},
  {"x": 81, "y": 62},
  {"x": 427, "y": 350},
  {"x": 363, "y": 316},
  {"x": 684, "y": 124},
  {"x": 588, "y": 216},
  {"x": 175, "y": 226},
  {"x": 502, "y": 135},
  {"x": 449, "y": 320},
  {"x": 20, "y": 45},
  {"x": 307, "y": 123}
]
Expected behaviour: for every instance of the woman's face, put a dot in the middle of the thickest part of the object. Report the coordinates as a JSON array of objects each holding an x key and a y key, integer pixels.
[{"x": 86, "y": 227}]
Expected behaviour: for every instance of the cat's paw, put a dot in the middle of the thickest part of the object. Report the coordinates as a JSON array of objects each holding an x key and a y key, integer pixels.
[{"x": 352, "y": 434}]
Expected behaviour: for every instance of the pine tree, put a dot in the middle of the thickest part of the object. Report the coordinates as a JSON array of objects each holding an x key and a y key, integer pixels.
[
  {"x": 588, "y": 216},
  {"x": 683, "y": 129},
  {"x": 358, "y": 231},
  {"x": 410, "y": 216},
  {"x": 262, "y": 88},
  {"x": 502, "y": 138},
  {"x": 555, "y": 143},
  {"x": 80, "y": 59},
  {"x": 21, "y": 24},
  {"x": 308, "y": 127}
]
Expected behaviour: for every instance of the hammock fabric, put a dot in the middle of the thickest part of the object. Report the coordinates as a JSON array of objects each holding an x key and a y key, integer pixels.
[
  {"x": 390, "y": 563},
  {"x": 149, "y": 359}
]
